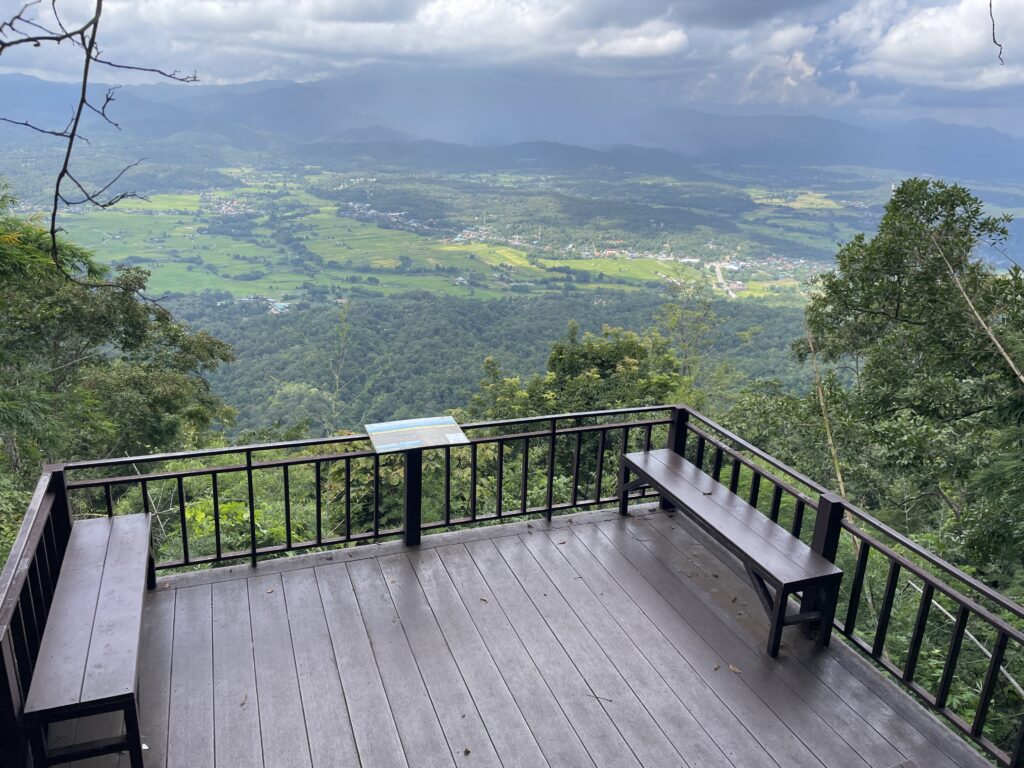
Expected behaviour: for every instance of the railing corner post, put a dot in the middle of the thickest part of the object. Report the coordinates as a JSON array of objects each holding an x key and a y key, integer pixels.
[
  {"x": 61, "y": 512},
  {"x": 828, "y": 525},
  {"x": 413, "y": 495},
  {"x": 677, "y": 429}
]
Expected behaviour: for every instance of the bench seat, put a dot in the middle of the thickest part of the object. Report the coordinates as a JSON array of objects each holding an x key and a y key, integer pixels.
[
  {"x": 88, "y": 658},
  {"x": 772, "y": 556}
]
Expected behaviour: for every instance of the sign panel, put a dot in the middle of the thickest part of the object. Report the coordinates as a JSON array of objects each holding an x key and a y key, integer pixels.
[{"x": 394, "y": 436}]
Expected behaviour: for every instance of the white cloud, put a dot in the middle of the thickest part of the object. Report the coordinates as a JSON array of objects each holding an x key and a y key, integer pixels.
[
  {"x": 943, "y": 46},
  {"x": 653, "y": 38}
]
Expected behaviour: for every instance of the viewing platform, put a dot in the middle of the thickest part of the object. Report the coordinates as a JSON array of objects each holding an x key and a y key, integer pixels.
[{"x": 319, "y": 604}]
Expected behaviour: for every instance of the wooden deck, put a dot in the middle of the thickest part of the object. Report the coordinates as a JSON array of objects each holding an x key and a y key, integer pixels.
[{"x": 589, "y": 641}]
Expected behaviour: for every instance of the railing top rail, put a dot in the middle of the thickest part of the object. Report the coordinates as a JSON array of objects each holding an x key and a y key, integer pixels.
[
  {"x": 20, "y": 558},
  {"x": 338, "y": 439}
]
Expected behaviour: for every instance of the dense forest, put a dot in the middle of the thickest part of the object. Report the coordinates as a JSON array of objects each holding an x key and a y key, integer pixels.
[{"x": 339, "y": 366}]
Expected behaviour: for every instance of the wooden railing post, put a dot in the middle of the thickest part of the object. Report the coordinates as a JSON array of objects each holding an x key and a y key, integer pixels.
[
  {"x": 825, "y": 541},
  {"x": 828, "y": 525},
  {"x": 676, "y": 439},
  {"x": 413, "y": 495},
  {"x": 677, "y": 430},
  {"x": 60, "y": 512}
]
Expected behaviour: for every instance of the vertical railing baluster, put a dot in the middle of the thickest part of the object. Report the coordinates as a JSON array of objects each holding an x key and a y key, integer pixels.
[
  {"x": 549, "y": 495},
  {"x": 288, "y": 506},
  {"x": 856, "y": 587},
  {"x": 252, "y": 508},
  {"x": 798, "y": 518},
  {"x": 776, "y": 503},
  {"x": 988, "y": 688},
  {"x": 500, "y": 501},
  {"x": 1017, "y": 758},
  {"x": 599, "y": 473},
  {"x": 920, "y": 624},
  {"x": 317, "y": 476},
  {"x": 376, "y": 495},
  {"x": 734, "y": 474},
  {"x": 216, "y": 515},
  {"x": 348, "y": 499},
  {"x": 716, "y": 464},
  {"x": 182, "y": 519},
  {"x": 755, "y": 487},
  {"x": 526, "y": 473},
  {"x": 472, "y": 480},
  {"x": 699, "y": 458},
  {"x": 885, "y": 610},
  {"x": 648, "y": 429},
  {"x": 577, "y": 449},
  {"x": 108, "y": 499},
  {"x": 952, "y": 657},
  {"x": 447, "y": 485},
  {"x": 145, "y": 496}
]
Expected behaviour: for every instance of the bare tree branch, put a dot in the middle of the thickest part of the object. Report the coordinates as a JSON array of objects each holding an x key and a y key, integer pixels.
[
  {"x": 995, "y": 42},
  {"x": 22, "y": 30}
]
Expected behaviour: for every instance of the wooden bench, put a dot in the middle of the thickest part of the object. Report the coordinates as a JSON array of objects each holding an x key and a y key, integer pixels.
[
  {"x": 778, "y": 564},
  {"x": 88, "y": 658}
]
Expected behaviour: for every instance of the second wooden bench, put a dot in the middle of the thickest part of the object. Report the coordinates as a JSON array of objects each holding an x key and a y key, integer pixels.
[{"x": 778, "y": 563}]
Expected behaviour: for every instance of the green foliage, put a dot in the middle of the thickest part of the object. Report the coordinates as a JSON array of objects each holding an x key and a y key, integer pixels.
[
  {"x": 615, "y": 369},
  {"x": 928, "y": 430},
  {"x": 87, "y": 368}
]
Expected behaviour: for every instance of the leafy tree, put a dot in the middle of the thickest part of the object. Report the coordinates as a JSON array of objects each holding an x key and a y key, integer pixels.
[
  {"x": 615, "y": 369},
  {"x": 928, "y": 432},
  {"x": 90, "y": 371}
]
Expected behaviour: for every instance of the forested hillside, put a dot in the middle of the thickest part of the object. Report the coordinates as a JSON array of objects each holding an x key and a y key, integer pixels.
[{"x": 337, "y": 366}]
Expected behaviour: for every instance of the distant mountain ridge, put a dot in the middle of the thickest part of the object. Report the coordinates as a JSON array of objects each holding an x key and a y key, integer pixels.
[{"x": 397, "y": 114}]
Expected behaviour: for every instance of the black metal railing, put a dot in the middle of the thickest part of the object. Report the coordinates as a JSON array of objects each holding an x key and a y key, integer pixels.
[
  {"x": 950, "y": 639},
  {"x": 27, "y": 585},
  {"x": 312, "y": 498},
  {"x": 956, "y": 643}
]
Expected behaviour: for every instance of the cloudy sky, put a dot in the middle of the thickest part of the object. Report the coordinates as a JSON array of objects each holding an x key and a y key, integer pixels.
[{"x": 867, "y": 59}]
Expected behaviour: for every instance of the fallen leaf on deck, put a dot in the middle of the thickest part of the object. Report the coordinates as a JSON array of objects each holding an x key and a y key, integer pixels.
[{"x": 734, "y": 668}]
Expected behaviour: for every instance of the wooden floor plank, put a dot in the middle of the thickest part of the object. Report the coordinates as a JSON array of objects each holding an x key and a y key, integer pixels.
[
  {"x": 581, "y": 704},
  {"x": 710, "y": 663},
  {"x": 729, "y": 732},
  {"x": 331, "y": 741},
  {"x": 460, "y": 720},
  {"x": 190, "y": 739},
  {"x": 533, "y": 699},
  {"x": 508, "y": 730},
  {"x": 282, "y": 724},
  {"x": 676, "y": 720},
  {"x": 883, "y": 745},
  {"x": 527, "y": 630},
  {"x": 235, "y": 702},
  {"x": 630, "y": 715},
  {"x": 418, "y": 725},
  {"x": 155, "y": 674},
  {"x": 368, "y": 709},
  {"x": 659, "y": 563}
]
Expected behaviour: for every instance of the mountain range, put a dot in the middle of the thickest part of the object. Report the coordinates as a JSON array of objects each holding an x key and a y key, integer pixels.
[{"x": 431, "y": 116}]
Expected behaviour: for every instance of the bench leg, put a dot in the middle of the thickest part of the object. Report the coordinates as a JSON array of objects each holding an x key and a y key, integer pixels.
[
  {"x": 830, "y": 599},
  {"x": 778, "y": 621},
  {"x": 37, "y": 743},
  {"x": 133, "y": 734},
  {"x": 623, "y": 490}
]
